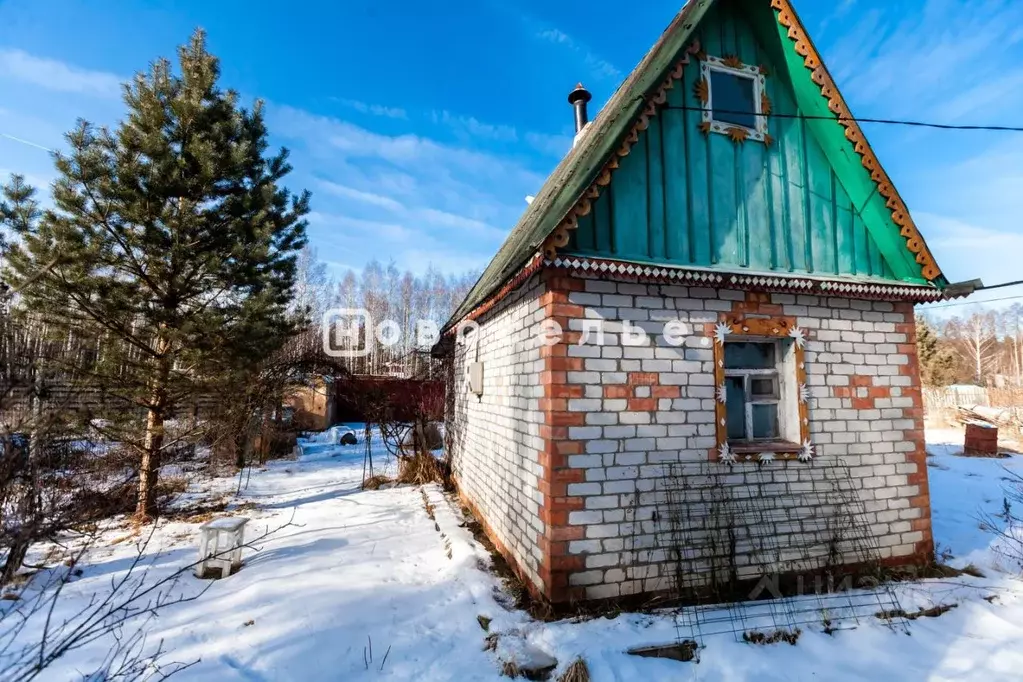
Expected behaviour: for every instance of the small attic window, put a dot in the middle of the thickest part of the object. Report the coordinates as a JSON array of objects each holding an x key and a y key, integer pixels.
[{"x": 733, "y": 99}]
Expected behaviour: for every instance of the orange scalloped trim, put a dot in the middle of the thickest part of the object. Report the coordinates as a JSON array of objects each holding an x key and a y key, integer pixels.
[
  {"x": 836, "y": 104},
  {"x": 702, "y": 90},
  {"x": 738, "y": 135},
  {"x": 559, "y": 237},
  {"x": 732, "y": 61}
]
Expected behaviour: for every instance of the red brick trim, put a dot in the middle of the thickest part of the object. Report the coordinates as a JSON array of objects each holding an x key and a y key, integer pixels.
[
  {"x": 918, "y": 456},
  {"x": 557, "y": 564}
]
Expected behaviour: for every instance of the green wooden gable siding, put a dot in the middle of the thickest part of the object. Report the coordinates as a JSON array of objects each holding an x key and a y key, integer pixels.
[{"x": 685, "y": 198}]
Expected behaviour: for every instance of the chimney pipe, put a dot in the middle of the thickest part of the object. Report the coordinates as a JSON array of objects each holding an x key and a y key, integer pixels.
[{"x": 578, "y": 99}]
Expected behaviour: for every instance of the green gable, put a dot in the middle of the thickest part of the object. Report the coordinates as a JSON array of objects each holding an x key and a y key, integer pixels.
[
  {"x": 688, "y": 198},
  {"x": 646, "y": 184}
]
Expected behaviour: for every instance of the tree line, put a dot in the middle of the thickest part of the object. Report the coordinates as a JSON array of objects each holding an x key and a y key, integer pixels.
[
  {"x": 388, "y": 295},
  {"x": 983, "y": 348}
]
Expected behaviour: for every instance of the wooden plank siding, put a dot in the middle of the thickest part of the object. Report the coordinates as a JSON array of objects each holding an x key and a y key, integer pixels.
[{"x": 685, "y": 198}]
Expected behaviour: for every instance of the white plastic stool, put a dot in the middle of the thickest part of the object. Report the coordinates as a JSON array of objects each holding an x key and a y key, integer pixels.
[{"x": 220, "y": 546}]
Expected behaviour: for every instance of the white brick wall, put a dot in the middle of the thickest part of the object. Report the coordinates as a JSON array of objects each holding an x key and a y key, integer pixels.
[
  {"x": 851, "y": 342},
  {"x": 495, "y": 438}
]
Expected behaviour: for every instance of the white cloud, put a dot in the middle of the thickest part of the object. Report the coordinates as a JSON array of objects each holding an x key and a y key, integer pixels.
[
  {"x": 935, "y": 59},
  {"x": 374, "y": 109},
  {"x": 599, "y": 67},
  {"x": 357, "y": 240},
  {"x": 56, "y": 75},
  {"x": 421, "y": 216},
  {"x": 470, "y": 128},
  {"x": 552, "y": 145},
  {"x": 413, "y": 154},
  {"x": 361, "y": 196}
]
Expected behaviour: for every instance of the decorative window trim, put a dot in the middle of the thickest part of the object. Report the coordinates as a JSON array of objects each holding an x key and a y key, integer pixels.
[
  {"x": 767, "y": 328},
  {"x": 705, "y": 93}
]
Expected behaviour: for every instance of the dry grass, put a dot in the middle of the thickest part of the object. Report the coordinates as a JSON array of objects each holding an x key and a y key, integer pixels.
[
  {"x": 683, "y": 651},
  {"x": 376, "y": 482},
  {"x": 932, "y": 612},
  {"x": 755, "y": 637},
  {"x": 577, "y": 672},
  {"x": 419, "y": 469}
]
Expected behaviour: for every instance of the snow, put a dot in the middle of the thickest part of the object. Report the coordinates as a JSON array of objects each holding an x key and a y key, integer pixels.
[
  {"x": 363, "y": 585},
  {"x": 227, "y": 523}
]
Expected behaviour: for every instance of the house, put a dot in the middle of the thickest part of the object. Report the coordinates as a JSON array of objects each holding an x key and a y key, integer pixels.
[{"x": 693, "y": 359}]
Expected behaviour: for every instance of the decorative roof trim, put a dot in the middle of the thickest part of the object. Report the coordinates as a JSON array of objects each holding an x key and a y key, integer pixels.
[
  {"x": 836, "y": 104},
  {"x": 534, "y": 264},
  {"x": 559, "y": 237},
  {"x": 770, "y": 283}
]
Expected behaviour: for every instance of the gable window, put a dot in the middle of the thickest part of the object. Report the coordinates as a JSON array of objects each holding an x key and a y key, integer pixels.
[
  {"x": 733, "y": 99},
  {"x": 762, "y": 396}
]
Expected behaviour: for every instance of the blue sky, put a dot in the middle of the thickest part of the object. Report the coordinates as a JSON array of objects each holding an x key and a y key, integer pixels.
[{"x": 421, "y": 127}]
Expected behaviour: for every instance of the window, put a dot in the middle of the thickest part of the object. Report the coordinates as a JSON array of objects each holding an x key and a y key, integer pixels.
[
  {"x": 752, "y": 390},
  {"x": 734, "y": 99},
  {"x": 762, "y": 410}
]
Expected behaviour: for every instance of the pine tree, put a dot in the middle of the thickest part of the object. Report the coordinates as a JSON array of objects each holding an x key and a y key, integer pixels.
[
  {"x": 171, "y": 237},
  {"x": 938, "y": 361}
]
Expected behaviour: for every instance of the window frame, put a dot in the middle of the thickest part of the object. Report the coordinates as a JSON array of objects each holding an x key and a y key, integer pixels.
[
  {"x": 747, "y": 375},
  {"x": 732, "y": 66},
  {"x": 790, "y": 366}
]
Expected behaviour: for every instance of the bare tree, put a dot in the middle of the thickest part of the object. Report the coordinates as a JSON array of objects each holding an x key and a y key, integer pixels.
[{"x": 975, "y": 339}]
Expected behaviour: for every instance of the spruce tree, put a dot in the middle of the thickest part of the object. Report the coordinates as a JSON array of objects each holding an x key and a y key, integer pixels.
[
  {"x": 171, "y": 238},
  {"x": 938, "y": 361}
]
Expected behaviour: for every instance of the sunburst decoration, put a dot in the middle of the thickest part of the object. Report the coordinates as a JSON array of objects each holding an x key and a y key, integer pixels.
[
  {"x": 799, "y": 335},
  {"x": 702, "y": 90},
  {"x": 705, "y": 127},
  {"x": 764, "y": 70},
  {"x": 725, "y": 454},
  {"x": 721, "y": 331},
  {"x": 804, "y": 393},
  {"x": 765, "y": 103},
  {"x": 732, "y": 61},
  {"x": 806, "y": 454},
  {"x": 738, "y": 135},
  {"x": 722, "y": 394},
  {"x": 765, "y": 457},
  {"x": 768, "y": 140}
]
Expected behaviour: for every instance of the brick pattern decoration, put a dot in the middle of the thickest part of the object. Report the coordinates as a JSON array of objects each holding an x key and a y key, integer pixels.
[
  {"x": 856, "y": 350},
  {"x": 563, "y": 453}
]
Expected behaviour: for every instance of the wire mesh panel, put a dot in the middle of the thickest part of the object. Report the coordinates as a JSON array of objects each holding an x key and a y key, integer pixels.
[{"x": 772, "y": 548}]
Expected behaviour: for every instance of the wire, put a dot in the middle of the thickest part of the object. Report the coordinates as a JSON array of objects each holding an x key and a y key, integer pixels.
[
  {"x": 27, "y": 142},
  {"x": 1001, "y": 286},
  {"x": 884, "y": 121},
  {"x": 973, "y": 303}
]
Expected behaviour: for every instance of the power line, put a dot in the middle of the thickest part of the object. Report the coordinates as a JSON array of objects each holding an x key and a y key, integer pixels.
[
  {"x": 883, "y": 121},
  {"x": 1001, "y": 286},
  {"x": 27, "y": 142},
  {"x": 961, "y": 303}
]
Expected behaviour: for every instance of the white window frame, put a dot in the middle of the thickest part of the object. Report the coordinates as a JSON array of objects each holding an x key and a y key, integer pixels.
[{"x": 753, "y": 73}]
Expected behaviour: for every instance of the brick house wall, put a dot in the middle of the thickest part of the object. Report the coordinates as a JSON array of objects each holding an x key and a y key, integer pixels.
[
  {"x": 494, "y": 440},
  {"x": 613, "y": 417}
]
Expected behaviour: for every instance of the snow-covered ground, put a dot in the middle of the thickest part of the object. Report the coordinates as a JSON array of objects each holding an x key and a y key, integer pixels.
[{"x": 364, "y": 585}]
